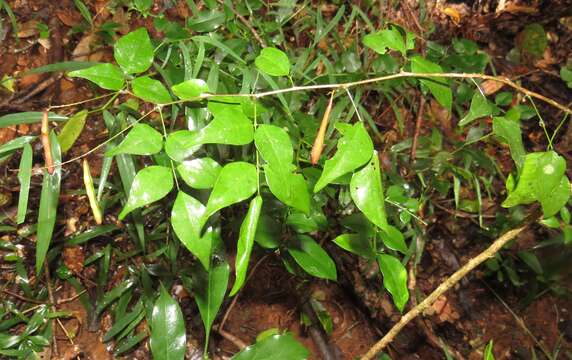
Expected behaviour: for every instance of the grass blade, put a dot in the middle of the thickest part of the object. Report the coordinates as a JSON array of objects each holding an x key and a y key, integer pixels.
[{"x": 24, "y": 176}]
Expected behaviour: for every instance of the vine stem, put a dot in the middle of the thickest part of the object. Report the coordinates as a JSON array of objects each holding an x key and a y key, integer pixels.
[{"x": 441, "y": 289}]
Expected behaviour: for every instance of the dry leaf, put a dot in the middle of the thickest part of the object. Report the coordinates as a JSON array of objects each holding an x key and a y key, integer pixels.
[{"x": 491, "y": 86}]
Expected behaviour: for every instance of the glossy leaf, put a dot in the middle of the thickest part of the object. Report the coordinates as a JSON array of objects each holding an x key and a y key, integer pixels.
[
  {"x": 312, "y": 258},
  {"x": 509, "y": 131},
  {"x": 16, "y": 144},
  {"x": 354, "y": 149},
  {"x": 386, "y": 39},
  {"x": 150, "y": 184},
  {"x": 106, "y": 76},
  {"x": 206, "y": 21},
  {"x": 187, "y": 220},
  {"x": 367, "y": 192},
  {"x": 28, "y": 117},
  {"x": 288, "y": 187},
  {"x": 142, "y": 139},
  {"x": 199, "y": 173},
  {"x": 226, "y": 192},
  {"x": 134, "y": 51},
  {"x": 480, "y": 107},
  {"x": 274, "y": 145},
  {"x": 245, "y": 242},
  {"x": 190, "y": 89},
  {"x": 357, "y": 244},
  {"x": 394, "y": 239},
  {"x": 394, "y": 279},
  {"x": 49, "y": 199},
  {"x": 283, "y": 347},
  {"x": 439, "y": 87},
  {"x": 71, "y": 131},
  {"x": 273, "y": 62},
  {"x": 550, "y": 168},
  {"x": 24, "y": 177},
  {"x": 209, "y": 288},
  {"x": 230, "y": 127},
  {"x": 168, "y": 335},
  {"x": 150, "y": 90},
  {"x": 555, "y": 200}
]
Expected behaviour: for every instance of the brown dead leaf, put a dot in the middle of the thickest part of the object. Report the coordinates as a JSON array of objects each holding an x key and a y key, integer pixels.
[
  {"x": 444, "y": 310},
  {"x": 68, "y": 16},
  {"x": 83, "y": 48},
  {"x": 491, "y": 86},
  {"x": 74, "y": 258},
  {"x": 28, "y": 29}
]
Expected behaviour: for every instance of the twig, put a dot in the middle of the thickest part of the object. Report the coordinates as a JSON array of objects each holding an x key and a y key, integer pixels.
[
  {"x": 441, "y": 289},
  {"x": 319, "y": 336},
  {"x": 228, "y": 336},
  {"x": 245, "y": 22},
  {"x": 53, "y": 304},
  {"x": 417, "y": 127},
  {"x": 23, "y": 298},
  {"x": 45, "y": 136}
]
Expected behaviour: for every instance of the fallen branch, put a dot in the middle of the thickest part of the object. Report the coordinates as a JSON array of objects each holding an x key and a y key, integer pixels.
[{"x": 441, "y": 289}]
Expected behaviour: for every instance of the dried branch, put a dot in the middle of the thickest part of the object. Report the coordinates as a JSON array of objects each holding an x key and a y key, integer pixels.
[{"x": 45, "y": 137}]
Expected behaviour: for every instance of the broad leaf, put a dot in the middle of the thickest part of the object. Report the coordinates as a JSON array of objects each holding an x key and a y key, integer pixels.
[
  {"x": 228, "y": 127},
  {"x": 49, "y": 199},
  {"x": 168, "y": 335},
  {"x": 150, "y": 184},
  {"x": 134, "y": 51},
  {"x": 190, "y": 89},
  {"x": 550, "y": 168},
  {"x": 288, "y": 187},
  {"x": 367, "y": 192},
  {"x": 439, "y": 87},
  {"x": 354, "y": 150},
  {"x": 274, "y": 145},
  {"x": 283, "y": 347},
  {"x": 187, "y": 219},
  {"x": 209, "y": 288},
  {"x": 106, "y": 76},
  {"x": 245, "y": 242},
  {"x": 394, "y": 239},
  {"x": 386, "y": 39},
  {"x": 556, "y": 200},
  {"x": 141, "y": 140},
  {"x": 150, "y": 90},
  {"x": 358, "y": 244},
  {"x": 236, "y": 182},
  {"x": 71, "y": 131},
  {"x": 480, "y": 107},
  {"x": 273, "y": 62},
  {"x": 509, "y": 131},
  {"x": 523, "y": 193},
  {"x": 206, "y": 21},
  {"x": 312, "y": 258},
  {"x": 394, "y": 279},
  {"x": 199, "y": 173}
]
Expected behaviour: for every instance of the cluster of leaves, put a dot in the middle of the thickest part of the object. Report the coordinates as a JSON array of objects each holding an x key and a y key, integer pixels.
[{"x": 239, "y": 148}]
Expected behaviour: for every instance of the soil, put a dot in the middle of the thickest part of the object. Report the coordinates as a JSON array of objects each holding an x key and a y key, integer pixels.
[{"x": 464, "y": 320}]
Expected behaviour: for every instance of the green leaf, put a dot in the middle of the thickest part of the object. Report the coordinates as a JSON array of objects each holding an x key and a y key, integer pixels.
[
  {"x": 106, "y": 76},
  {"x": 141, "y": 140},
  {"x": 439, "y": 87},
  {"x": 555, "y": 200},
  {"x": 15, "y": 144},
  {"x": 226, "y": 192},
  {"x": 199, "y": 173},
  {"x": 283, "y": 347},
  {"x": 209, "y": 288},
  {"x": 190, "y": 89},
  {"x": 386, "y": 39},
  {"x": 274, "y": 145},
  {"x": 394, "y": 239},
  {"x": 150, "y": 90},
  {"x": 143, "y": 5},
  {"x": 71, "y": 131},
  {"x": 49, "y": 199},
  {"x": 24, "y": 176},
  {"x": 273, "y": 62},
  {"x": 187, "y": 219},
  {"x": 489, "y": 355},
  {"x": 509, "y": 131},
  {"x": 150, "y": 184},
  {"x": 245, "y": 242},
  {"x": 168, "y": 337},
  {"x": 366, "y": 191},
  {"x": 134, "y": 51},
  {"x": 550, "y": 168},
  {"x": 289, "y": 188},
  {"x": 312, "y": 258},
  {"x": 28, "y": 117},
  {"x": 480, "y": 107},
  {"x": 357, "y": 244},
  {"x": 354, "y": 150},
  {"x": 532, "y": 40},
  {"x": 394, "y": 279},
  {"x": 268, "y": 232},
  {"x": 229, "y": 127},
  {"x": 206, "y": 21}
]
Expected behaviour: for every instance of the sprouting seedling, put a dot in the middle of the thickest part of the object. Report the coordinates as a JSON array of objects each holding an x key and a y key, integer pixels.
[
  {"x": 45, "y": 136},
  {"x": 319, "y": 142}
]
